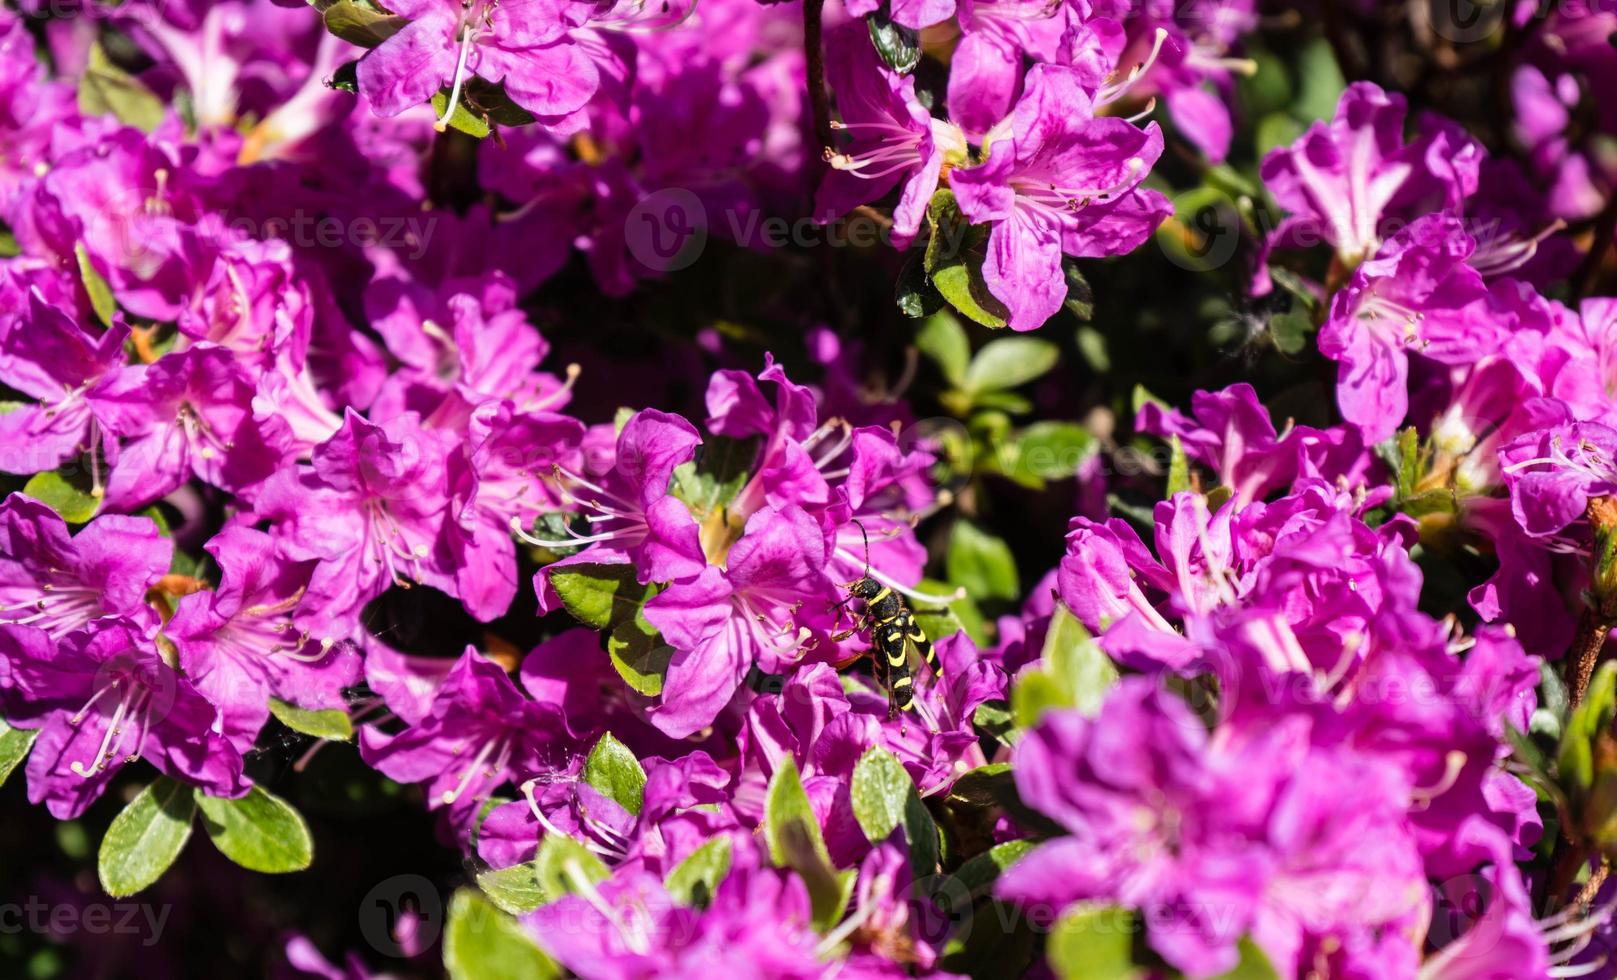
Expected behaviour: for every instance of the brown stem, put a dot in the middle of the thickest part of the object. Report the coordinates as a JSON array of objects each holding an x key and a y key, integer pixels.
[
  {"x": 814, "y": 53},
  {"x": 1586, "y": 647},
  {"x": 1570, "y": 858},
  {"x": 1591, "y": 888}
]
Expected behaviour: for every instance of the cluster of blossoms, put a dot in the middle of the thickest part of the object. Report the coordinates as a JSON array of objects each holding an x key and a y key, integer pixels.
[{"x": 270, "y": 305}]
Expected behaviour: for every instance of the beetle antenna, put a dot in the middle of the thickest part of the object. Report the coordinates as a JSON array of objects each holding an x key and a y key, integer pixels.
[{"x": 864, "y": 534}]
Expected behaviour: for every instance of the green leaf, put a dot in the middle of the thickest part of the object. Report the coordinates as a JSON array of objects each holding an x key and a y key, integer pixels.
[
  {"x": 1178, "y": 468},
  {"x": 943, "y": 339},
  {"x": 462, "y": 118},
  {"x": 795, "y": 841},
  {"x": 260, "y": 831},
  {"x": 979, "y": 873},
  {"x": 785, "y": 804},
  {"x": 694, "y": 881},
  {"x": 954, "y": 259},
  {"x": 14, "y": 746},
  {"x": 562, "y": 862},
  {"x": 1053, "y": 450},
  {"x": 1080, "y": 301},
  {"x": 640, "y": 655},
  {"x": 602, "y": 596},
  {"x": 53, "y": 490},
  {"x": 1592, "y": 716},
  {"x": 1009, "y": 362},
  {"x": 105, "y": 89},
  {"x": 914, "y": 293},
  {"x": 613, "y": 769},
  {"x": 898, "y": 46},
  {"x": 1073, "y": 672},
  {"x": 483, "y": 943},
  {"x": 952, "y": 617},
  {"x": 879, "y": 791},
  {"x": 331, "y": 723},
  {"x": 981, "y": 563},
  {"x": 515, "y": 889},
  {"x": 101, "y": 300},
  {"x": 1320, "y": 82},
  {"x": 361, "y": 23},
  {"x": 1092, "y": 346},
  {"x": 1254, "y": 964},
  {"x": 721, "y": 468},
  {"x": 1094, "y": 943},
  {"x": 145, "y": 837}
]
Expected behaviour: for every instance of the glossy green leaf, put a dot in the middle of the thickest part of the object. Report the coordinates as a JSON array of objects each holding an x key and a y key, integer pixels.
[
  {"x": 483, "y": 943},
  {"x": 14, "y": 746},
  {"x": 260, "y": 831},
  {"x": 879, "y": 791},
  {"x": 695, "y": 880},
  {"x": 330, "y": 723},
  {"x": 721, "y": 468},
  {"x": 51, "y": 488},
  {"x": 795, "y": 841},
  {"x": 898, "y": 46},
  {"x": 613, "y": 770},
  {"x": 101, "y": 299},
  {"x": 1073, "y": 672},
  {"x": 462, "y": 119},
  {"x": 1094, "y": 943},
  {"x": 640, "y": 655},
  {"x": 1178, "y": 468},
  {"x": 562, "y": 862},
  {"x": 979, "y": 873},
  {"x": 1009, "y": 362},
  {"x": 601, "y": 596},
  {"x": 145, "y": 837},
  {"x": 106, "y": 89},
  {"x": 954, "y": 259},
  {"x": 360, "y": 23},
  {"x": 981, "y": 563},
  {"x": 515, "y": 889},
  {"x": 944, "y": 340}
]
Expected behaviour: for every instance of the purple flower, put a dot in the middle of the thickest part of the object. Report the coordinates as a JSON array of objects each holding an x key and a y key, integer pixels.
[
  {"x": 239, "y": 645},
  {"x": 631, "y": 513},
  {"x": 102, "y": 696},
  {"x": 1212, "y": 838},
  {"x": 44, "y": 355},
  {"x": 1342, "y": 178},
  {"x": 189, "y": 413},
  {"x": 1061, "y": 181},
  {"x": 893, "y": 139},
  {"x": 626, "y": 927},
  {"x": 724, "y": 621},
  {"x": 1417, "y": 295},
  {"x": 480, "y": 732},
  {"x": 997, "y": 37},
  {"x": 368, "y": 512},
  {"x": 59, "y": 583},
  {"x": 526, "y": 44},
  {"x": 1554, "y": 470}
]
